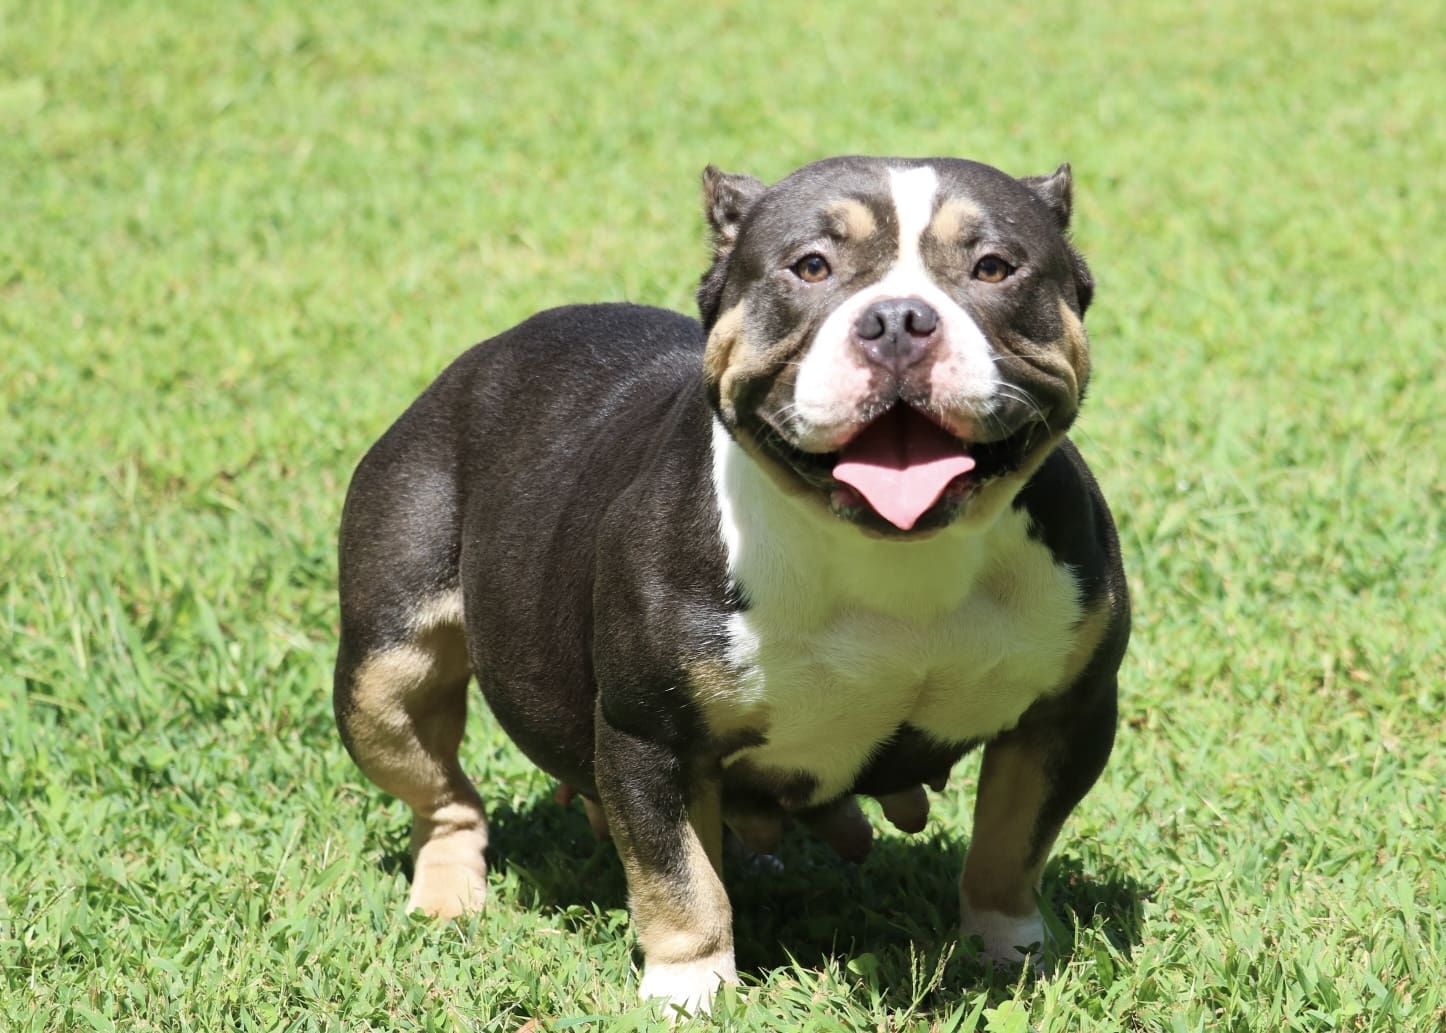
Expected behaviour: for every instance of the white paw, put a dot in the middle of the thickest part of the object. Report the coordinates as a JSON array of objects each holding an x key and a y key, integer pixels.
[
  {"x": 449, "y": 877},
  {"x": 1008, "y": 939},
  {"x": 688, "y": 985}
]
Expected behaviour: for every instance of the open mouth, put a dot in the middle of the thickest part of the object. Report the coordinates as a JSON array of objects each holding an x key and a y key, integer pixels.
[{"x": 903, "y": 470}]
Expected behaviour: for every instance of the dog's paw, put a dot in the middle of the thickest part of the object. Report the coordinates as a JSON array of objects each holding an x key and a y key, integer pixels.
[
  {"x": 1009, "y": 940},
  {"x": 449, "y": 876},
  {"x": 688, "y": 987}
]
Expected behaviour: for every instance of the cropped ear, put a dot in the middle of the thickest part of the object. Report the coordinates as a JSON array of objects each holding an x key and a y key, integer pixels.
[
  {"x": 1056, "y": 191},
  {"x": 727, "y": 197}
]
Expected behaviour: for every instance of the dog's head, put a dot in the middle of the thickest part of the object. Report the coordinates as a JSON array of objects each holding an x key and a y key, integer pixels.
[{"x": 900, "y": 339}]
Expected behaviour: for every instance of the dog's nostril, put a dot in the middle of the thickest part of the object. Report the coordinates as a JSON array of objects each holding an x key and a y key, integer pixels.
[
  {"x": 896, "y": 317},
  {"x": 897, "y": 332},
  {"x": 921, "y": 320},
  {"x": 871, "y": 325}
]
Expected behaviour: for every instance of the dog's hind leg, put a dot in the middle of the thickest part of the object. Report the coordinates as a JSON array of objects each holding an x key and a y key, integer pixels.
[
  {"x": 402, "y": 671},
  {"x": 402, "y": 708}
]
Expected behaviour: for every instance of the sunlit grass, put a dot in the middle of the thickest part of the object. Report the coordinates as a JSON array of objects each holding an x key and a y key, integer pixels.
[{"x": 235, "y": 240}]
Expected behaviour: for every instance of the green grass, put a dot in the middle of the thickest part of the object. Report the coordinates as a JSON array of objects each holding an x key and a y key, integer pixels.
[{"x": 236, "y": 240}]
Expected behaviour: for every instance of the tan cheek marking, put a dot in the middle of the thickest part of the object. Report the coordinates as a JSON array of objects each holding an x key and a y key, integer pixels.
[
  {"x": 729, "y": 358},
  {"x": 1054, "y": 358},
  {"x": 1076, "y": 345},
  {"x": 998, "y": 875},
  {"x": 853, "y": 218},
  {"x": 954, "y": 219},
  {"x": 721, "y": 342}
]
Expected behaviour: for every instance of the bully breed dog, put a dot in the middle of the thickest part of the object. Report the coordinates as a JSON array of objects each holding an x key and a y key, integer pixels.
[{"x": 731, "y": 575}]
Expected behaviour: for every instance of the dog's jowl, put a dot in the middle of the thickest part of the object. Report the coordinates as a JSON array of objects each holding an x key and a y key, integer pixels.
[{"x": 723, "y": 576}]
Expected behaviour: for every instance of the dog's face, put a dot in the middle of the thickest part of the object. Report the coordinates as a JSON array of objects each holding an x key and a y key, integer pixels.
[{"x": 900, "y": 340}]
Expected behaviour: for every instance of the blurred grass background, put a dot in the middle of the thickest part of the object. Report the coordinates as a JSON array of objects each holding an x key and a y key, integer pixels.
[{"x": 236, "y": 240}]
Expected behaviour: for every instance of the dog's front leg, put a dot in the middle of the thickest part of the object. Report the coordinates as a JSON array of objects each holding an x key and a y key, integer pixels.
[
  {"x": 1030, "y": 780},
  {"x": 665, "y": 819}
]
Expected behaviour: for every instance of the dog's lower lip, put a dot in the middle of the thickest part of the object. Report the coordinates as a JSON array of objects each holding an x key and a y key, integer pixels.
[
  {"x": 992, "y": 459},
  {"x": 901, "y": 462}
]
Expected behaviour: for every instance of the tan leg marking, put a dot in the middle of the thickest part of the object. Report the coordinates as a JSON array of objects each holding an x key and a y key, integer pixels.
[
  {"x": 409, "y": 713},
  {"x": 996, "y": 891},
  {"x": 1088, "y": 635},
  {"x": 684, "y": 920}
]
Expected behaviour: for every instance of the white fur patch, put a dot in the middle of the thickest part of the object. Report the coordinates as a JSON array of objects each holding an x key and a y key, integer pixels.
[
  {"x": 689, "y": 985},
  {"x": 833, "y": 377},
  {"x": 1004, "y": 935},
  {"x": 847, "y": 636}
]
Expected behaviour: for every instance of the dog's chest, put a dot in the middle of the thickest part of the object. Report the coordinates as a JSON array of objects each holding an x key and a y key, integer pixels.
[{"x": 955, "y": 638}]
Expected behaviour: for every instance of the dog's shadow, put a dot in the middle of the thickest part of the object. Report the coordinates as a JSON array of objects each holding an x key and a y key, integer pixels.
[{"x": 892, "y": 921}]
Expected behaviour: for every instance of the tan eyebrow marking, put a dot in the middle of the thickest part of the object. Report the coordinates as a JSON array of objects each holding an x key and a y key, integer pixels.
[
  {"x": 954, "y": 217},
  {"x": 852, "y": 219}
]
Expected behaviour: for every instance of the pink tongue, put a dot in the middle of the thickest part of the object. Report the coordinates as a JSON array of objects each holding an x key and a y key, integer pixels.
[{"x": 901, "y": 463}]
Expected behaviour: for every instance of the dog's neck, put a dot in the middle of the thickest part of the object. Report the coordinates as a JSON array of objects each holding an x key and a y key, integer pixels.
[{"x": 785, "y": 549}]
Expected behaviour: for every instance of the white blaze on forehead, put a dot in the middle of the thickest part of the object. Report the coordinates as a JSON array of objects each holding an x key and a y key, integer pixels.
[
  {"x": 914, "y": 191},
  {"x": 834, "y": 378}
]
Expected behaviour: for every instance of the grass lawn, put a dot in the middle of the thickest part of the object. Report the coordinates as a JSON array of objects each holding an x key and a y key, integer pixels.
[{"x": 237, "y": 239}]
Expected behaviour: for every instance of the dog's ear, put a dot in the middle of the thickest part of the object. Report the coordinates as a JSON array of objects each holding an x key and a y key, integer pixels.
[
  {"x": 1056, "y": 191},
  {"x": 727, "y": 198}
]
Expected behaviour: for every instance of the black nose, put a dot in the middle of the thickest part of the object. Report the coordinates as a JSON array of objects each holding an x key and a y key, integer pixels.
[{"x": 897, "y": 332}]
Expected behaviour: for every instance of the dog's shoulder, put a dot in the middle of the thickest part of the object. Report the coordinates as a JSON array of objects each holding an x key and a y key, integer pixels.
[{"x": 1068, "y": 514}]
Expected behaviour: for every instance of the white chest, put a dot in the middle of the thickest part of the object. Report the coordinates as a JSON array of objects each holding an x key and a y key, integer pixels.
[
  {"x": 825, "y": 694},
  {"x": 848, "y": 637}
]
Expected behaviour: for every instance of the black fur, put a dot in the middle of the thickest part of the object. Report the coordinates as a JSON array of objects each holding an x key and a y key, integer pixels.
[{"x": 560, "y": 474}]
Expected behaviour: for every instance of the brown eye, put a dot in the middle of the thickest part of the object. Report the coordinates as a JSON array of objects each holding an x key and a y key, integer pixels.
[
  {"x": 811, "y": 269},
  {"x": 992, "y": 269}
]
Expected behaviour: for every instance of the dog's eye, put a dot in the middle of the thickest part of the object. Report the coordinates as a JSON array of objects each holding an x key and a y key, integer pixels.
[
  {"x": 992, "y": 269},
  {"x": 811, "y": 269}
]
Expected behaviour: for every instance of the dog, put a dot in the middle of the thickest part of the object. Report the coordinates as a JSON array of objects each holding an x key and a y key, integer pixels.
[{"x": 737, "y": 572}]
